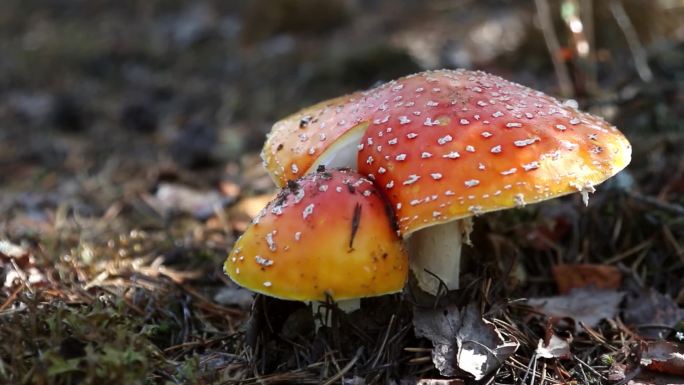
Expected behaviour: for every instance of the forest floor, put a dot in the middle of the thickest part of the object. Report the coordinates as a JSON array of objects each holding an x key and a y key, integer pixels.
[{"x": 129, "y": 140}]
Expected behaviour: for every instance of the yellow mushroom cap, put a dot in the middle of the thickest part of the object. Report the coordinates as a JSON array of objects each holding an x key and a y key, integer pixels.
[{"x": 328, "y": 234}]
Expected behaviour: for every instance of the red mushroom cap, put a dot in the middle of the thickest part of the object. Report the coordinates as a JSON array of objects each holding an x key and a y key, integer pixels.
[
  {"x": 452, "y": 144},
  {"x": 329, "y": 233}
]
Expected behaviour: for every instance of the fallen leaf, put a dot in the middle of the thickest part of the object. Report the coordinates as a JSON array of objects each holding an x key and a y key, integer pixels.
[
  {"x": 665, "y": 357},
  {"x": 462, "y": 339},
  {"x": 649, "y": 307},
  {"x": 647, "y": 377},
  {"x": 581, "y": 275},
  {"x": 556, "y": 348},
  {"x": 588, "y": 305},
  {"x": 10, "y": 250},
  {"x": 171, "y": 198},
  {"x": 438, "y": 381}
]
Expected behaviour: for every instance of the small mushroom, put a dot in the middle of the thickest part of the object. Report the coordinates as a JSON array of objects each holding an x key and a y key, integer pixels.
[{"x": 326, "y": 235}]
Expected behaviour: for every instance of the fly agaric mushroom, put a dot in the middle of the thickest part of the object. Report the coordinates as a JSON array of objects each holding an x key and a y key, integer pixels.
[
  {"x": 327, "y": 235},
  {"x": 325, "y": 134},
  {"x": 454, "y": 144},
  {"x": 447, "y": 145}
]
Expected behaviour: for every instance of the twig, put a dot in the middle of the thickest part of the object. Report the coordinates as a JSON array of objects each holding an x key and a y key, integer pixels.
[
  {"x": 384, "y": 341},
  {"x": 554, "y": 47},
  {"x": 635, "y": 46},
  {"x": 346, "y": 368},
  {"x": 657, "y": 203},
  {"x": 587, "y": 16}
]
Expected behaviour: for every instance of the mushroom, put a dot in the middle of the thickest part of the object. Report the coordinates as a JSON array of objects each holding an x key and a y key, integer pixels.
[
  {"x": 327, "y": 235},
  {"x": 463, "y": 143},
  {"x": 327, "y": 134},
  {"x": 447, "y": 145}
]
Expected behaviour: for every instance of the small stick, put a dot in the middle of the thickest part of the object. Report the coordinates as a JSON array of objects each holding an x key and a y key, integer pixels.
[
  {"x": 554, "y": 47},
  {"x": 635, "y": 46},
  {"x": 346, "y": 368}
]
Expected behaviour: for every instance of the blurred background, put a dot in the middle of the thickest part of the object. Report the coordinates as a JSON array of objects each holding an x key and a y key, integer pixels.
[
  {"x": 130, "y": 132},
  {"x": 88, "y": 86}
]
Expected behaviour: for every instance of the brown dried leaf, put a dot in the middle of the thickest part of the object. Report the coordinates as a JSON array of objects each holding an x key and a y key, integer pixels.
[
  {"x": 556, "y": 348},
  {"x": 650, "y": 307},
  {"x": 588, "y": 306},
  {"x": 463, "y": 339},
  {"x": 665, "y": 357},
  {"x": 581, "y": 275}
]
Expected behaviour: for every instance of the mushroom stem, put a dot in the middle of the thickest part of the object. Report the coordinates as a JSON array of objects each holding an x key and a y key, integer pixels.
[{"x": 435, "y": 254}]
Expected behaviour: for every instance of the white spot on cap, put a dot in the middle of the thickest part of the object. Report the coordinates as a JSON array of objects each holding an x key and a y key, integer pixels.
[
  {"x": 382, "y": 170},
  {"x": 471, "y": 182},
  {"x": 486, "y": 134},
  {"x": 268, "y": 284},
  {"x": 429, "y": 122},
  {"x": 298, "y": 235},
  {"x": 369, "y": 160},
  {"x": 568, "y": 145},
  {"x": 323, "y": 188},
  {"x": 390, "y": 184},
  {"x": 400, "y": 157},
  {"x": 497, "y": 114},
  {"x": 470, "y": 148},
  {"x": 294, "y": 168},
  {"x": 413, "y": 178},
  {"x": 411, "y": 135},
  {"x": 308, "y": 210},
  {"x": 263, "y": 261},
  {"x": 452, "y": 155},
  {"x": 513, "y": 124},
  {"x": 574, "y": 121},
  {"x": 526, "y": 142},
  {"x": 531, "y": 166},
  {"x": 496, "y": 149},
  {"x": 404, "y": 120},
  {"x": 392, "y": 141},
  {"x": 464, "y": 122},
  {"x": 436, "y": 176},
  {"x": 509, "y": 172},
  {"x": 561, "y": 127},
  {"x": 367, "y": 193},
  {"x": 431, "y": 103},
  {"x": 425, "y": 155},
  {"x": 481, "y": 166},
  {"x": 519, "y": 200},
  {"x": 444, "y": 140}
]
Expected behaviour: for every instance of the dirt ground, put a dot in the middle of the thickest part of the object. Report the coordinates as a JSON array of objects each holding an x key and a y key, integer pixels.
[{"x": 129, "y": 141}]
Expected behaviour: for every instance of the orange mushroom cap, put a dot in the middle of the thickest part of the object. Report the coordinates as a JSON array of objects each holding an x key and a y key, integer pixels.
[
  {"x": 295, "y": 142},
  {"x": 329, "y": 233},
  {"x": 451, "y": 144}
]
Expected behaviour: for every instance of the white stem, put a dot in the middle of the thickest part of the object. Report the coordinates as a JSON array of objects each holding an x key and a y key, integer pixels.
[
  {"x": 346, "y": 305},
  {"x": 435, "y": 254}
]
